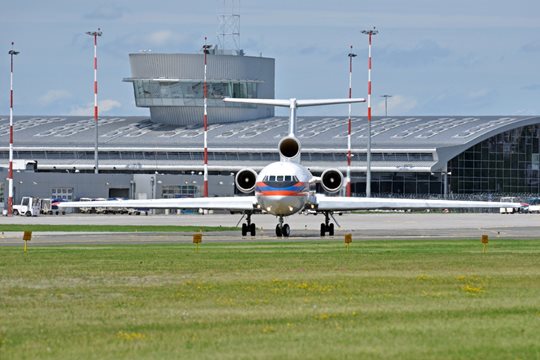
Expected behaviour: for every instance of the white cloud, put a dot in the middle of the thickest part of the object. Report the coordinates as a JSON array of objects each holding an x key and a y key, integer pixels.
[
  {"x": 478, "y": 94},
  {"x": 397, "y": 105},
  {"x": 53, "y": 96},
  {"x": 162, "y": 37},
  {"x": 105, "y": 12},
  {"x": 88, "y": 110}
]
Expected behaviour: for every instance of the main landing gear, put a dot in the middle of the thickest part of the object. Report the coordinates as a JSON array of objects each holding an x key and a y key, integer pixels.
[
  {"x": 327, "y": 227},
  {"x": 282, "y": 229},
  {"x": 248, "y": 226}
]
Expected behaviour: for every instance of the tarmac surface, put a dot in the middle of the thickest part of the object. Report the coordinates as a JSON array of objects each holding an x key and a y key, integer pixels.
[{"x": 368, "y": 226}]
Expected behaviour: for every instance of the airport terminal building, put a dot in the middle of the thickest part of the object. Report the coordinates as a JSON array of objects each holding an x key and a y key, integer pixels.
[{"x": 482, "y": 157}]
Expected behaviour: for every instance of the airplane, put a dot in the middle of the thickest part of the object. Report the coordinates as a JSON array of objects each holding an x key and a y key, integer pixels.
[{"x": 286, "y": 187}]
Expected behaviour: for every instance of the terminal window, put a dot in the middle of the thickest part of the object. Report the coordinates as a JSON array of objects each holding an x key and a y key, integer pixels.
[{"x": 64, "y": 193}]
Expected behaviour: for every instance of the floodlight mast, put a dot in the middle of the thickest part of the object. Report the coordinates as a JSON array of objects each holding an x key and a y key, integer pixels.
[
  {"x": 351, "y": 55},
  {"x": 95, "y": 34},
  {"x": 370, "y": 34},
  {"x": 12, "y": 53},
  {"x": 206, "y": 50},
  {"x": 386, "y": 103}
]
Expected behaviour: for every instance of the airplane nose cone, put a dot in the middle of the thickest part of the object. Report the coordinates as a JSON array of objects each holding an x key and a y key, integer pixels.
[{"x": 282, "y": 205}]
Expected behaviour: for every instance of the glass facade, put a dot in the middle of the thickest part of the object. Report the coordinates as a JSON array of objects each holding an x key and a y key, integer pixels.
[
  {"x": 401, "y": 184},
  {"x": 507, "y": 163},
  {"x": 179, "y": 191},
  {"x": 190, "y": 93}
]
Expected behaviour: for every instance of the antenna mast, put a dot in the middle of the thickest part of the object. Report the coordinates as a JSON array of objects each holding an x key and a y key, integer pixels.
[{"x": 229, "y": 27}]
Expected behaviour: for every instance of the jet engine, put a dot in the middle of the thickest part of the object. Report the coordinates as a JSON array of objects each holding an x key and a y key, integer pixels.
[
  {"x": 245, "y": 180},
  {"x": 332, "y": 180},
  {"x": 289, "y": 149}
]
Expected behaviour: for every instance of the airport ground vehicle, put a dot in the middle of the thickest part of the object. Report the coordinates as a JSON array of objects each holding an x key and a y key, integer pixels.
[
  {"x": 30, "y": 206},
  {"x": 523, "y": 208},
  {"x": 534, "y": 205},
  {"x": 55, "y": 209}
]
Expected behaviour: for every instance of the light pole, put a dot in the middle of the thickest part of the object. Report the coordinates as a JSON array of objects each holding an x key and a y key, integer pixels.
[
  {"x": 351, "y": 55},
  {"x": 206, "y": 49},
  {"x": 10, "y": 171},
  {"x": 370, "y": 34},
  {"x": 386, "y": 103},
  {"x": 95, "y": 34}
]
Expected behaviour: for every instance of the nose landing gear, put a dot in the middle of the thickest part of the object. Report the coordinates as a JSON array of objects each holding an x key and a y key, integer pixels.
[
  {"x": 282, "y": 230},
  {"x": 327, "y": 227},
  {"x": 248, "y": 226}
]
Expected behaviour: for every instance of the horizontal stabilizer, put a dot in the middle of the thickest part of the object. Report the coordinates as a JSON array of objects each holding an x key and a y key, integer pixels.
[
  {"x": 273, "y": 102},
  {"x": 297, "y": 103},
  {"x": 302, "y": 103}
]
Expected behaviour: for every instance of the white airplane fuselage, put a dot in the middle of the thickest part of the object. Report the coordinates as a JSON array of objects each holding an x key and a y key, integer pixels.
[{"x": 283, "y": 188}]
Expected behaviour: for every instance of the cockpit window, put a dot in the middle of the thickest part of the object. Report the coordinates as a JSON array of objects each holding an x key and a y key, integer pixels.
[{"x": 280, "y": 178}]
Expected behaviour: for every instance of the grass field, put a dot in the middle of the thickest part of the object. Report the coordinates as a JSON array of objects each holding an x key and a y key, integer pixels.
[{"x": 379, "y": 299}]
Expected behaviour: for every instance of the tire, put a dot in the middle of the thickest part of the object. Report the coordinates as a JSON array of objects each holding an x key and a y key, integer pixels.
[
  {"x": 278, "y": 231},
  {"x": 323, "y": 230},
  {"x": 252, "y": 229},
  {"x": 331, "y": 229},
  {"x": 28, "y": 214},
  {"x": 286, "y": 231},
  {"x": 15, "y": 212},
  {"x": 244, "y": 229}
]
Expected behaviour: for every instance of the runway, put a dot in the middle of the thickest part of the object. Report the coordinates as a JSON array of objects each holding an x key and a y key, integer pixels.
[{"x": 303, "y": 227}]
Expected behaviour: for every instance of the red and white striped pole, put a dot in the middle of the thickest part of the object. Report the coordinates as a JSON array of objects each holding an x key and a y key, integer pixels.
[
  {"x": 206, "y": 50},
  {"x": 349, "y": 128},
  {"x": 95, "y": 34},
  {"x": 10, "y": 170},
  {"x": 370, "y": 33}
]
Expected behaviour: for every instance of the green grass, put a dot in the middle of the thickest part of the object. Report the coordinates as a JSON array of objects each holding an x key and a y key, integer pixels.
[
  {"x": 379, "y": 299},
  {"x": 110, "y": 228}
]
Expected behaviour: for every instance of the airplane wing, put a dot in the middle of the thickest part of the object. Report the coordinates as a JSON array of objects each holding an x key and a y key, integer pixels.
[
  {"x": 327, "y": 203},
  {"x": 214, "y": 203}
]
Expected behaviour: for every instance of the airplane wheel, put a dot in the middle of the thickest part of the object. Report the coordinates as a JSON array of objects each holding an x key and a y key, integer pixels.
[
  {"x": 331, "y": 229},
  {"x": 244, "y": 229},
  {"x": 252, "y": 229},
  {"x": 278, "y": 231},
  {"x": 286, "y": 231},
  {"x": 323, "y": 230}
]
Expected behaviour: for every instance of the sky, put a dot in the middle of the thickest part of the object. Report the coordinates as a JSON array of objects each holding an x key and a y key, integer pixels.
[{"x": 460, "y": 57}]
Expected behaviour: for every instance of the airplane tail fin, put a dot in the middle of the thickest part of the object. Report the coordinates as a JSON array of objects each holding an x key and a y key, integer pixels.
[{"x": 292, "y": 104}]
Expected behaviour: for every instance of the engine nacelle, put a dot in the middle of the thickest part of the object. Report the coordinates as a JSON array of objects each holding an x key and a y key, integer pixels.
[
  {"x": 245, "y": 180},
  {"x": 289, "y": 149},
  {"x": 332, "y": 180}
]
